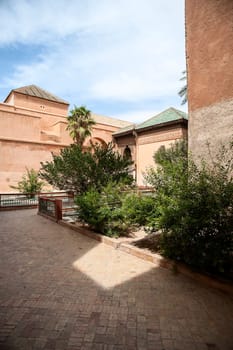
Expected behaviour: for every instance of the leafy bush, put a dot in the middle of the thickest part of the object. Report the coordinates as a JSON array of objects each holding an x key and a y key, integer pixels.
[
  {"x": 114, "y": 211},
  {"x": 30, "y": 183},
  {"x": 195, "y": 209},
  {"x": 80, "y": 171},
  {"x": 88, "y": 208},
  {"x": 102, "y": 210},
  {"x": 139, "y": 209}
]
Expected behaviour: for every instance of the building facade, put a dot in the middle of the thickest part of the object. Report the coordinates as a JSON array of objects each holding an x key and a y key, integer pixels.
[
  {"x": 209, "y": 50},
  {"x": 33, "y": 126},
  {"x": 140, "y": 142}
]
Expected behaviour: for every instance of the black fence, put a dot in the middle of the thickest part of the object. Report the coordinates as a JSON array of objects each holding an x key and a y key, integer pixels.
[
  {"x": 17, "y": 201},
  {"x": 50, "y": 207},
  {"x": 13, "y": 201},
  {"x": 55, "y": 207}
]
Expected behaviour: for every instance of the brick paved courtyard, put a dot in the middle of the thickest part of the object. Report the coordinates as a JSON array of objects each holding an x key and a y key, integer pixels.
[{"x": 61, "y": 290}]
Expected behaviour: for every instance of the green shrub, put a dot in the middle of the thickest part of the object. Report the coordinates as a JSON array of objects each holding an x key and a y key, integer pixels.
[
  {"x": 103, "y": 210},
  {"x": 88, "y": 208},
  {"x": 139, "y": 209},
  {"x": 30, "y": 183},
  {"x": 198, "y": 225},
  {"x": 195, "y": 210},
  {"x": 79, "y": 171}
]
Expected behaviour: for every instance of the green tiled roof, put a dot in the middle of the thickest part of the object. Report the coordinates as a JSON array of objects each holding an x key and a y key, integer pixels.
[
  {"x": 125, "y": 129},
  {"x": 169, "y": 115}
]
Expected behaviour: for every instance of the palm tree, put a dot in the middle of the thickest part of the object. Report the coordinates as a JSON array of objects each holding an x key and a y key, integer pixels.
[
  {"x": 80, "y": 124},
  {"x": 184, "y": 90}
]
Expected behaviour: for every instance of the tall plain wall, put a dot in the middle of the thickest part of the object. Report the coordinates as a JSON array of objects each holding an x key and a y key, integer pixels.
[
  {"x": 209, "y": 50},
  {"x": 29, "y": 133},
  {"x": 17, "y": 155}
]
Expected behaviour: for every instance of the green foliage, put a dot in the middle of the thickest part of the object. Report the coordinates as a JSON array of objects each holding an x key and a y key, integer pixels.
[
  {"x": 80, "y": 123},
  {"x": 88, "y": 208},
  {"x": 195, "y": 209},
  {"x": 139, "y": 209},
  {"x": 79, "y": 171},
  {"x": 171, "y": 174},
  {"x": 30, "y": 183},
  {"x": 115, "y": 210},
  {"x": 183, "y": 92},
  {"x": 102, "y": 210},
  {"x": 166, "y": 157}
]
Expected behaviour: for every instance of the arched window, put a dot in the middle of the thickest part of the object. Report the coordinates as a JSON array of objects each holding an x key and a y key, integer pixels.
[
  {"x": 127, "y": 153},
  {"x": 98, "y": 141}
]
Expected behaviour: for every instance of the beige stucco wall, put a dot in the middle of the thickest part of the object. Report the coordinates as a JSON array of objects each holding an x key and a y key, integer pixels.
[
  {"x": 149, "y": 142},
  {"x": 209, "y": 47},
  {"x": 145, "y": 158}
]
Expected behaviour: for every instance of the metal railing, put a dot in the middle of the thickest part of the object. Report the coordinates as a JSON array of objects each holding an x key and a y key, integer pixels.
[
  {"x": 55, "y": 206},
  {"x": 17, "y": 200},
  {"x": 12, "y": 201},
  {"x": 50, "y": 207}
]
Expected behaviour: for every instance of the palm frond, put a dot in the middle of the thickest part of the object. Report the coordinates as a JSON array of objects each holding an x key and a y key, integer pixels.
[{"x": 183, "y": 92}]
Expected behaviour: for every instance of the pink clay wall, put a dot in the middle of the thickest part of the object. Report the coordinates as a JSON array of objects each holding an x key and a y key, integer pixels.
[{"x": 29, "y": 133}]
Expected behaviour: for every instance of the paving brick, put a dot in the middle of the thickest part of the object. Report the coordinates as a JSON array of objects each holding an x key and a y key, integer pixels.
[{"x": 62, "y": 290}]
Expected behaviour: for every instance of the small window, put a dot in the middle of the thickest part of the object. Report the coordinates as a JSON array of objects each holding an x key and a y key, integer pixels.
[{"x": 127, "y": 153}]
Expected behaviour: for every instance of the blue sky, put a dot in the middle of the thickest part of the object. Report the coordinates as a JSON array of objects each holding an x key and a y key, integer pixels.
[{"x": 120, "y": 58}]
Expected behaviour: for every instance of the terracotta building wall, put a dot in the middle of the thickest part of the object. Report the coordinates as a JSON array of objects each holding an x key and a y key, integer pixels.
[
  {"x": 19, "y": 126},
  {"x": 209, "y": 49},
  {"x": 144, "y": 144},
  {"x": 103, "y": 132},
  {"x": 29, "y": 134},
  {"x": 38, "y": 104},
  {"x": 16, "y": 156}
]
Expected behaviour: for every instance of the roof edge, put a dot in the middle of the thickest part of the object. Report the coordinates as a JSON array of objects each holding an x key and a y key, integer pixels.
[
  {"x": 156, "y": 126},
  {"x": 43, "y": 98},
  {"x": 123, "y": 133}
]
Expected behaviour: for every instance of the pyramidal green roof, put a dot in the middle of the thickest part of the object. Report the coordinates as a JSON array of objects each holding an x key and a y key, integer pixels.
[{"x": 169, "y": 115}]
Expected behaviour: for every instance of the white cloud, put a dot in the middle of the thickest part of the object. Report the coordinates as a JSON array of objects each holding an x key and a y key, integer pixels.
[
  {"x": 27, "y": 20},
  {"x": 107, "y": 50}
]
